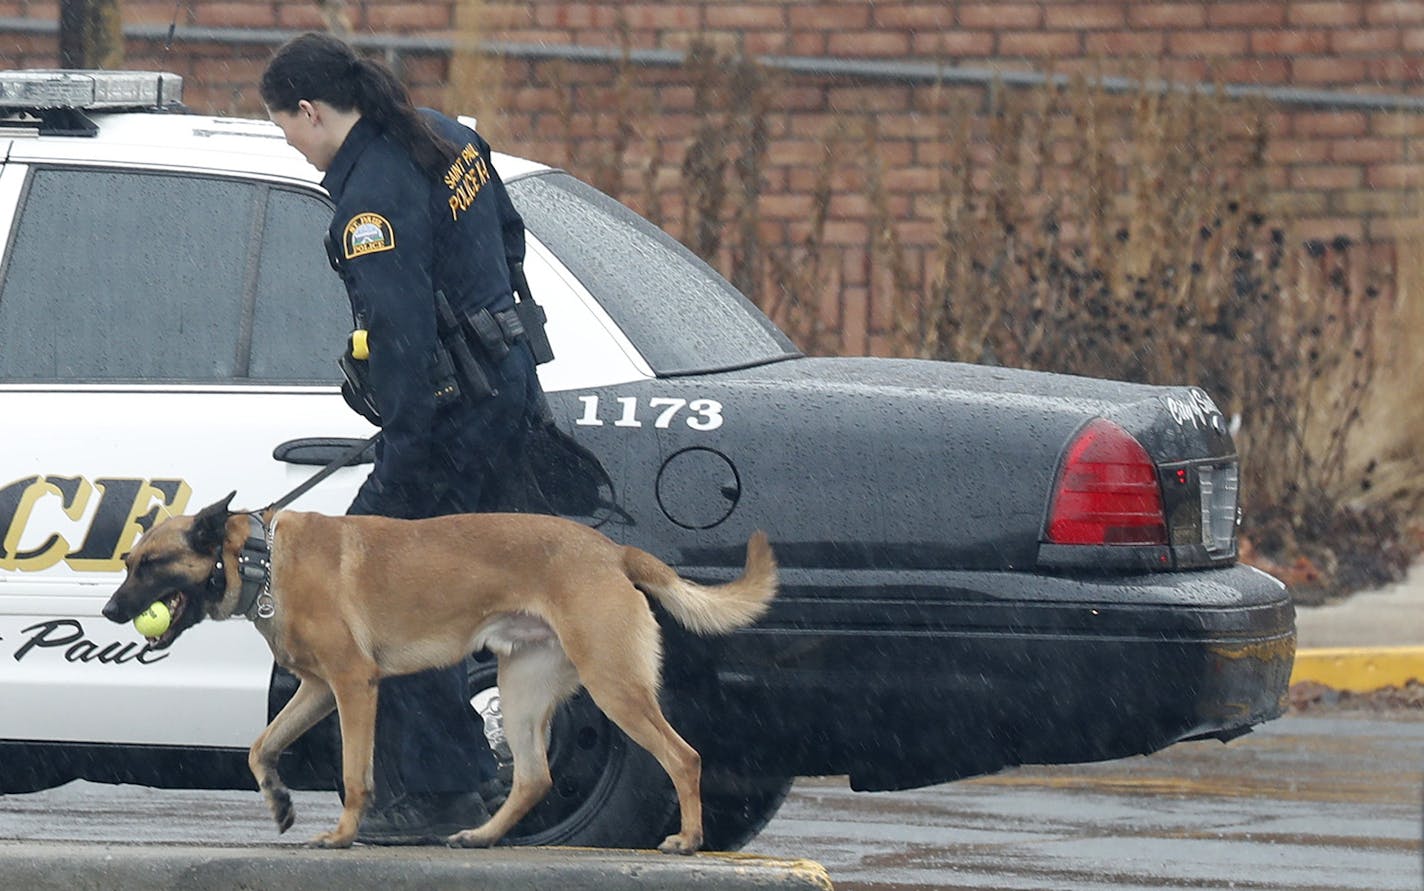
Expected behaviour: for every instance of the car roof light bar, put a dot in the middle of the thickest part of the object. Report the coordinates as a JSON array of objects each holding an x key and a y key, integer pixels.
[{"x": 89, "y": 90}]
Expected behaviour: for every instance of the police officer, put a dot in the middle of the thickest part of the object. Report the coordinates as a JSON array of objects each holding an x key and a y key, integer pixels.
[{"x": 421, "y": 218}]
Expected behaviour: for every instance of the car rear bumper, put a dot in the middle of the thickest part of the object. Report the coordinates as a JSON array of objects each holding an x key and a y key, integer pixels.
[{"x": 924, "y": 680}]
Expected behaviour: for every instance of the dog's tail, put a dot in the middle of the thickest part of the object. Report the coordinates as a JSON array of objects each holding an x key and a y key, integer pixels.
[{"x": 704, "y": 609}]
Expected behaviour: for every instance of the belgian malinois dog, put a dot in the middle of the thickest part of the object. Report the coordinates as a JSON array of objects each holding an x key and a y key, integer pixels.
[{"x": 358, "y": 598}]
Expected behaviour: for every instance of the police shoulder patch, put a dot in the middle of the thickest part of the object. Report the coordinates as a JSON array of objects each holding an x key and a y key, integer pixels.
[{"x": 368, "y": 233}]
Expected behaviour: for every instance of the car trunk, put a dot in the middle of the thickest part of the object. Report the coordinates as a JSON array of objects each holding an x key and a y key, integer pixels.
[{"x": 918, "y": 465}]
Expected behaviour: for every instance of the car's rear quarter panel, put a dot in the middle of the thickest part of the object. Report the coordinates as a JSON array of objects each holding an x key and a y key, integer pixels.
[
  {"x": 871, "y": 463},
  {"x": 913, "y": 640}
]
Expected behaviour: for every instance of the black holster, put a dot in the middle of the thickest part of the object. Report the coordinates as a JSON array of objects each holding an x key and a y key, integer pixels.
[
  {"x": 356, "y": 388},
  {"x": 360, "y": 396},
  {"x": 531, "y": 316},
  {"x": 453, "y": 346},
  {"x": 479, "y": 341}
]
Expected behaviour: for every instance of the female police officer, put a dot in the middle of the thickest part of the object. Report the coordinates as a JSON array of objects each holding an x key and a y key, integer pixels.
[{"x": 421, "y": 216}]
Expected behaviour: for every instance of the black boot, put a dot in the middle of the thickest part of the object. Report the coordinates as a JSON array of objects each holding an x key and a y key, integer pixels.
[{"x": 426, "y": 819}]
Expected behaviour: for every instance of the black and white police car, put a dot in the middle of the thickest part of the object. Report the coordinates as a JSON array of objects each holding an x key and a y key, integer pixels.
[{"x": 981, "y": 567}]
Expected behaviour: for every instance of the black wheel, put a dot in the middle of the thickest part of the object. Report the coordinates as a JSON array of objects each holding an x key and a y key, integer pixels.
[
  {"x": 736, "y": 808},
  {"x": 608, "y": 792}
]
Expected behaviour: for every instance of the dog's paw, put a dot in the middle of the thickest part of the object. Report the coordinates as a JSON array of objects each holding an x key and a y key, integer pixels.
[
  {"x": 283, "y": 811},
  {"x": 470, "y": 838},
  {"x": 331, "y": 840},
  {"x": 677, "y": 844}
]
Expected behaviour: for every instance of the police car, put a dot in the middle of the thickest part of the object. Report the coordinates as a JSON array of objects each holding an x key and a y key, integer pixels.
[{"x": 981, "y": 567}]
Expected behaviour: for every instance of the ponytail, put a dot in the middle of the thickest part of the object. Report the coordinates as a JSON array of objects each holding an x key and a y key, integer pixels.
[
  {"x": 381, "y": 97},
  {"x": 319, "y": 67}
]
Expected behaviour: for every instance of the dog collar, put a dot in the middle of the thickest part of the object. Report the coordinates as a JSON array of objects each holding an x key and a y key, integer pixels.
[{"x": 254, "y": 569}]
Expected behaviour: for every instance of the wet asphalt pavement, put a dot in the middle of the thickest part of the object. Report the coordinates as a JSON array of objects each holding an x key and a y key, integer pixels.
[
  {"x": 1330, "y": 802},
  {"x": 1318, "y": 803}
]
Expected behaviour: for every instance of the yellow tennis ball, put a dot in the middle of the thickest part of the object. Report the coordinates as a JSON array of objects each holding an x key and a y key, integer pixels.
[
  {"x": 360, "y": 344},
  {"x": 153, "y": 621}
]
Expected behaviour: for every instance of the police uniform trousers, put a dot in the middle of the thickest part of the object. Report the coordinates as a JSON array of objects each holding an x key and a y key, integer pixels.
[{"x": 429, "y": 739}]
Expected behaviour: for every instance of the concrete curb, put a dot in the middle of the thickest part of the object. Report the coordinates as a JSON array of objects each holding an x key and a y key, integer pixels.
[
  {"x": 79, "y": 866},
  {"x": 1359, "y": 669}
]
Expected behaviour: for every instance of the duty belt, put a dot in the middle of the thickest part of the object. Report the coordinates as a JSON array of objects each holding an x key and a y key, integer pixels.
[
  {"x": 468, "y": 345},
  {"x": 469, "y": 348}
]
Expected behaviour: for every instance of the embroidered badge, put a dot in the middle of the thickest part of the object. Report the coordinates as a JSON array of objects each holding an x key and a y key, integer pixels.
[{"x": 368, "y": 233}]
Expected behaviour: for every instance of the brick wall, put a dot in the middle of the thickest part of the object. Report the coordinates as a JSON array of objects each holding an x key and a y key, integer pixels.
[{"x": 1357, "y": 173}]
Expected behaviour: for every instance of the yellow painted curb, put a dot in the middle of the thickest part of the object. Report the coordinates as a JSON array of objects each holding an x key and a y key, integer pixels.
[
  {"x": 813, "y": 874},
  {"x": 1359, "y": 669}
]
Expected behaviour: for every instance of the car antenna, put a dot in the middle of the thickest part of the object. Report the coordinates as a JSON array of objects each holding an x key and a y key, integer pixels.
[{"x": 172, "y": 26}]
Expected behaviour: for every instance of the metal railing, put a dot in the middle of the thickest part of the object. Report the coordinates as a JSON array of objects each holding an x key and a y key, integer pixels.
[{"x": 851, "y": 70}]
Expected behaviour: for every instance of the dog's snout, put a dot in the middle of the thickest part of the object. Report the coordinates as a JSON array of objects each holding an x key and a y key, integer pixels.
[{"x": 122, "y": 607}]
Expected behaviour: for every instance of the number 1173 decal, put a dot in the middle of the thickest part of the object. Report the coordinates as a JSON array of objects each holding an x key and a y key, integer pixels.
[{"x": 659, "y": 411}]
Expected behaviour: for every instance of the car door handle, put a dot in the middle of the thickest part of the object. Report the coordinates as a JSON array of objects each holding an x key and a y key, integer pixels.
[{"x": 321, "y": 451}]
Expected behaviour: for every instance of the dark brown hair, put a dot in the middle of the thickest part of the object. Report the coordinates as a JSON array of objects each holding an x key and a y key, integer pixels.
[{"x": 319, "y": 67}]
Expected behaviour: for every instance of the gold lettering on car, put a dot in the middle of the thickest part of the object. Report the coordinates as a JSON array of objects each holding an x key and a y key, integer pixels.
[{"x": 120, "y": 509}]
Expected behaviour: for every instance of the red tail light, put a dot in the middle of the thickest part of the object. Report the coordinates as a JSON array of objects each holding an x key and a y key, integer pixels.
[{"x": 1107, "y": 492}]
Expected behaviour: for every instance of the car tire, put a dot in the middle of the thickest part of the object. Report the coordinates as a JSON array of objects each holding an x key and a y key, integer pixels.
[
  {"x": 608, "y": 791},
  {"x": 735, "y": 808}
]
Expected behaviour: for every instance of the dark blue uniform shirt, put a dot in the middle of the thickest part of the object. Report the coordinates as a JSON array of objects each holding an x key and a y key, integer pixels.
[{"x": 398, "y": 236}]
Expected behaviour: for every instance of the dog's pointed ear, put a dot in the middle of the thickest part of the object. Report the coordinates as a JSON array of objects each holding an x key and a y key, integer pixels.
[{"x": 210, "y": 526}]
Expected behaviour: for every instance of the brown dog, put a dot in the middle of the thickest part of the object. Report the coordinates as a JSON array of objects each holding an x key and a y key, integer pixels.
[{"x": 356, "y": 599}]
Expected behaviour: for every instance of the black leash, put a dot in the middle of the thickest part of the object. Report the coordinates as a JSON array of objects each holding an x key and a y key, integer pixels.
[
  {"x": 254, "y": 558},
  {"x": 342, "y": 460}
]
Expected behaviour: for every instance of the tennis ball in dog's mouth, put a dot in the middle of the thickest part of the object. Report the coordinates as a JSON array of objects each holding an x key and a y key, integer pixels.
[{"x": 153, "y": 621}]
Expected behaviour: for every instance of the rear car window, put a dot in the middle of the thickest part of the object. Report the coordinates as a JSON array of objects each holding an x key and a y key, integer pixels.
[
  {"x": 301, "y": 315},
  {"x": 674, "y": 308},
  {"x": 117, "y": 275}
]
